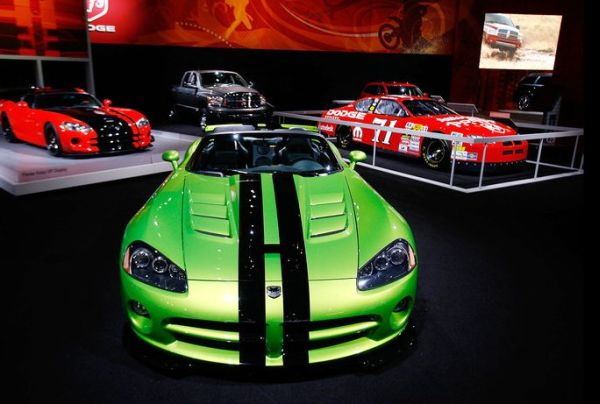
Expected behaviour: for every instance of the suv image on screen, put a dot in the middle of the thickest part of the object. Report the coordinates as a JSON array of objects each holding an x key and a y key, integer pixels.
[
  {"x": 218, "y": 96},
  {"x": 500, "y": 32}
]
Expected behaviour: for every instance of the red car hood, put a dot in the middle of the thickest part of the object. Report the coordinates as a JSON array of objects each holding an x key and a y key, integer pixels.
[{"x": 465, "y": 125}]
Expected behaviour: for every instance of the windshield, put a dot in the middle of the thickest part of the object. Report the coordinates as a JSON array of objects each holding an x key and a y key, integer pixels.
[
  {"x": 269, "y": 152},
  {"x": 66, "y": 100},
  {"x": 405, "y": 90},
  {"x": 498, "y": 19},
  {"x": 427, "y": 107},
  {"x": 222, "y": 79}
]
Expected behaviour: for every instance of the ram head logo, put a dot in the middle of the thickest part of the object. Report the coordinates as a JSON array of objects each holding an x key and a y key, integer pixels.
[{"x": 96, "y": 9}]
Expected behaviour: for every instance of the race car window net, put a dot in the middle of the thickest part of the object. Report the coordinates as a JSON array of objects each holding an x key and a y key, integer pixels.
[
  {"x": 427, "y": 107},
  {"x": 230, "y": 154}
]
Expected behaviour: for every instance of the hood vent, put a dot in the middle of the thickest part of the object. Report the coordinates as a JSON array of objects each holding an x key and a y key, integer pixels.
[
  {"x": 327, "y": 214},
  {"x": 209, "y": 214}
]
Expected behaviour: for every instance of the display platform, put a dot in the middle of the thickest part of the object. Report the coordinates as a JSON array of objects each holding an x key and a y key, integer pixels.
[{"x": 26, "y": 169}]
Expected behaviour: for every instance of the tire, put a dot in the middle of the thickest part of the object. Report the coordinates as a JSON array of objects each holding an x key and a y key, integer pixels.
[
  {"x": 435, "y": 153},
  {"x": 53, "y": 142},
  {"x": 7, "y": 130},
  {"x": 388, "y": 36},
  {"x": 524, "y": 102},
  {"x": 511, "y": 53},
  {"x": 343, "y": 136},
  {"x": 203, "y": 119},
  {"x": 173, "y": 114}
]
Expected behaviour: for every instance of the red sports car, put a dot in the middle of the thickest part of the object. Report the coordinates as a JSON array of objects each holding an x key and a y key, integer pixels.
[
  {"x": 423, "y": 114},
  {"x": 73, "y": 122}
]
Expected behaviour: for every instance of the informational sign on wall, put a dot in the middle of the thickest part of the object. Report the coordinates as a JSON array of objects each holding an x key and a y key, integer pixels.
[
  {"x": 400, "y": 26},
  {"x": 48, "y": 28}
]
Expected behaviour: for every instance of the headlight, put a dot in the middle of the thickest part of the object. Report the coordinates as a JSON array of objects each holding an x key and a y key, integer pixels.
[
  {"x": 392, "y": 263},
  {"x": 214, "y": 100},
  {"x": 142, "y": 123},
  {"x": 148, "y": 265},
  {"x": 77, "y": 127},
  {"x": 263, "y": 100}
]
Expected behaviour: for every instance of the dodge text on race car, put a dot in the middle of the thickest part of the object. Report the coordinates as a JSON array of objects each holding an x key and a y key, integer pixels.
[
  {"x": 248, "y": 254},
  {"x": 422, "y": 114},
  {"x": 73, "y": 122}
]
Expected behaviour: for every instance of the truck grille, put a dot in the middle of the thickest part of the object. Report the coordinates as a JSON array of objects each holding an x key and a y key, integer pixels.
[
  {"x": 242, "y": 100},
  {"x": 504, "y": 33}
]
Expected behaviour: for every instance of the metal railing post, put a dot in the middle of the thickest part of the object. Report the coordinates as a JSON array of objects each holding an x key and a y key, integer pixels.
[
  {"x": 574, "y": 152},
  {"x": 374, "y": 151},
  {"x": 539, "y": 156},
  {"x": 453, "y": 157},
  {"x": 482, "y": 165}
]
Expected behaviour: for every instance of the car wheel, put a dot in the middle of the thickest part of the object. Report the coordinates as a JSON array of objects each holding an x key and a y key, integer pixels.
[
  {"x": 203, "y": 119},
  {"x": 53, "y": 142},
  {"x": 7, "y": 129},
  {"x": 435, "y": 153},
  {"x": 524, "y": 102},
  {"x": 511, "y": 53},
  {"x": 344, "y": 136}
]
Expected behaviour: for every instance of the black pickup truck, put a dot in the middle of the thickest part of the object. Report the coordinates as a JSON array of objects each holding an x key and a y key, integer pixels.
[{"x": 218, "y": 96}]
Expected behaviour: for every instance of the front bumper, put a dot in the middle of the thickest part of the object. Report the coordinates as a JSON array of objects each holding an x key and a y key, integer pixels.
[
  {"x": 227, "y": 115},
  {"x": 203, "y": 324}
]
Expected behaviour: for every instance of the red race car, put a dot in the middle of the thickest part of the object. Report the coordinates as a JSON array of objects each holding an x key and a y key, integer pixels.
[
  {"x": 73, "y": 122},
  {"x": 422, "y": 114}
]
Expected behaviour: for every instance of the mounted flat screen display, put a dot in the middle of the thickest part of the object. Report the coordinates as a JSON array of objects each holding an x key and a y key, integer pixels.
[
  {"x": 386, "y": 26},
  {"x": 519, "y": 41}
]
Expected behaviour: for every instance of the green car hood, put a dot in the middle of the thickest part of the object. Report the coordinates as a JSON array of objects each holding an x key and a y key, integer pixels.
[{"x": 211, "y": 214}]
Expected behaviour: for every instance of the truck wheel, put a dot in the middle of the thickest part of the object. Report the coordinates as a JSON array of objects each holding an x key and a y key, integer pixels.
[
  {"x": 435, "y": 153},
  {"x": 203, "y": 119},
  {"x": 344, "y": 136},
  {"x": 7, "y": 129},
  {"x": 173, "y": 114},
  {"x": 511, "y": 53},
  {"x": 53, "y": 142}
]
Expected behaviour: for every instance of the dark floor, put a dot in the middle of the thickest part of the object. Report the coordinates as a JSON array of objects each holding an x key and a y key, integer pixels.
[{"x": 499, "y": 315}]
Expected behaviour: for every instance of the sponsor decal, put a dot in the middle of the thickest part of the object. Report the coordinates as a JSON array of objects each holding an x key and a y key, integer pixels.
[
  {"x": 325, "y": 127},
  {"x": 474, "y": 122},
  {"x": 346, "y": 113},
  {"x": 472, "y": 156},
  {"x": 357, "y": 133},
  {"x": 403, "y": 148},
  {"x": 97, "y": 9},
  {"x": 413, "y": 145},
  {"x": 416, "y": 126}
]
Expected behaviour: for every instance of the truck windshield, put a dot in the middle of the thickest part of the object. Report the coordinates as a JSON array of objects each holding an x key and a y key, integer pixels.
[
  {"x": 498, "y": 19},
  {"x": 267, "y": 152},
  {"x": 427, "y": 107},
  {"x": 212, "y": 79}
]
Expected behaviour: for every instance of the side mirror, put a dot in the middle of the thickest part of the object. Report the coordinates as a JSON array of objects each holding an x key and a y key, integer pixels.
[
  {"x": 172, "y": 156},
  {"x": 106, "y": 103},
  {"x": 356, "y": 156},
  {"x": 518, "y": 27},
  {"x": 250, "y": 84},
  {"x": 22, "y": 104}
]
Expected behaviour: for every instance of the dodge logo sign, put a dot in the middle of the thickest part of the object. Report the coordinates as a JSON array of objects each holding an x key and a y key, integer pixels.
[
  {"x": 96, "y": 9},
  {"x": 273, "y": 291}
]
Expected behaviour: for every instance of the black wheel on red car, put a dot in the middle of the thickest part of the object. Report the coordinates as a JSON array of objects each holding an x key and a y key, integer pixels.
[
  {"x": 52, "y": 141},
  {"x": 203, "y": 119},
  {"x": 435, "y": 153},
  {"x": 344, "y": 136},
  {"x": 7, "y": 130}
]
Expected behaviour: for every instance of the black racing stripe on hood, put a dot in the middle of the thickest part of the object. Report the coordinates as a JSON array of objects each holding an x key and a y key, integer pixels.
[
  {"x": 294, "y": 272},
  {"x": 251, "y": 267},
  {"x": 92, "y": 116}
]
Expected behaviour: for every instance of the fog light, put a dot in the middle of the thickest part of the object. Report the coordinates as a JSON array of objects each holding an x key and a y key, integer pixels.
[
  {"x": 402, "y": 305},
  {"x": 74, "y": 140},
  {"x": 139, "y": 308}
]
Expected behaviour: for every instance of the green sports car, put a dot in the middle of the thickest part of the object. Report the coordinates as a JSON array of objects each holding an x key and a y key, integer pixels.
[{"x": 266, "y": 248}]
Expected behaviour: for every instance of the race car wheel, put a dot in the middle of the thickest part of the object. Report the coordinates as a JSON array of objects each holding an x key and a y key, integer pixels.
[
  {"x": 52, "y": 141},
  {"x": 203, "y": 119},
  {"x": 435, "y": 153},
  {"x": 344, "y": 136},
  {"x": 7, "y": 129},
  {"x": 524, "y": 102}
]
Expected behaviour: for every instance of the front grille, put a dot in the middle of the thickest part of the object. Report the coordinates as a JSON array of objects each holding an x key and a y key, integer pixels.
[
  {"x": 504, "y": 33},
  {"x": 509, "y": 143},
  {"x": 242, "y": 100},
  {"x": 114, "y": 135},
  {"x": 507, "y": 152}
]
